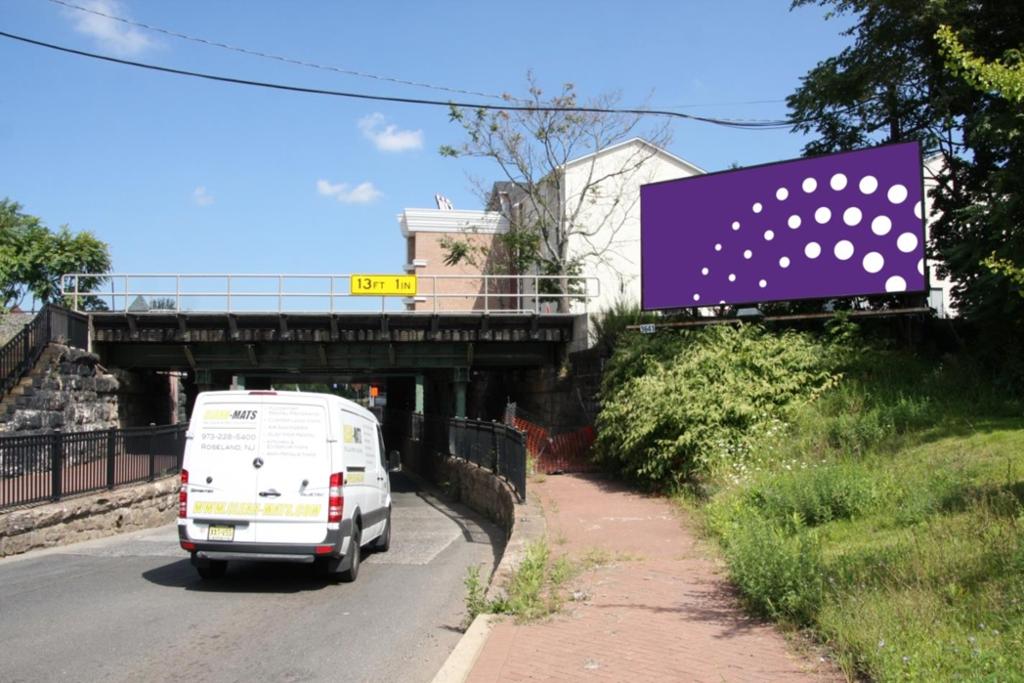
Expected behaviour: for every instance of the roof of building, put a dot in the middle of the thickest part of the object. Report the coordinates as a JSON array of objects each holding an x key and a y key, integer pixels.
[{"x": 658, "y": 150}]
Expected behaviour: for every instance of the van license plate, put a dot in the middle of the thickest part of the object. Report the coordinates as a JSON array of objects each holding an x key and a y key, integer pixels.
[{"x": 221, "y": 533}]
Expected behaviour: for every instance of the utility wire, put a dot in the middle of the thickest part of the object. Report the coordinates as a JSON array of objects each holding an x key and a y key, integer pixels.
[
  {"x": 729, "y": 123},
  {"x": 270, "y": 55},
  {"x": 336, "y": 69}
]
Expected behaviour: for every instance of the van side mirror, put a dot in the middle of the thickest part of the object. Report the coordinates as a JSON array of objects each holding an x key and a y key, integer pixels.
[{"x": 394, "y": 461}]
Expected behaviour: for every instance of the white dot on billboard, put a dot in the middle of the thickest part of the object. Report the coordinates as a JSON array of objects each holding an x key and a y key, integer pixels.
[
  {"x": 747, "y": 254},
  {"x": 907, "y": 242},
  {"x": 704, "y": 271},
  {"x": 868, "y": 184},
  {"x": 718, "y": 247},
  {"x": 809, "y": 185},
  {"x": 762, "y": 284},
  {"x": 793, "y": 222},
  {"x": 895, "y": 284},
  {"x": 812, "y": 250},
  {"x": 781, "y": 194},
  {"x": 735, "y": 225},
  {"x": 917, "y": 209},
  {"x": 881, "y": 225},
  {"x": 732, "y": 277},
  {"x": 852, "y": 216},
  {"x": 843, "y": 250},
  {"x": 873, "y": 262},
  {"x": 920, "y": 266},
  {"x": 838, "y": 182},
  {"x": 784, "y": 262},
  {"x": 897, "y": 194},
  {"x": 696, "y": 297},
  {"x": 823, "y": 214},
  {"x": 769, "y": 235},
  {"x": 757, "y": 207}
]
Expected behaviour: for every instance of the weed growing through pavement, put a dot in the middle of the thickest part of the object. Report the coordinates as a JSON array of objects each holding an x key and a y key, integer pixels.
[{"x": 536, "y": 588}]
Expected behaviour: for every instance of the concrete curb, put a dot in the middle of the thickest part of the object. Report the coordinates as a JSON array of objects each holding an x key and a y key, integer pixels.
[
  {"x": 529, "y": 525},
  {"x": 460, "y": 662}
]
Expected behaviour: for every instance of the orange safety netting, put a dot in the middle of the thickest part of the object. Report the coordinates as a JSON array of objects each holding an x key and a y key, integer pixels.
[{"x": 569, "y": 452}]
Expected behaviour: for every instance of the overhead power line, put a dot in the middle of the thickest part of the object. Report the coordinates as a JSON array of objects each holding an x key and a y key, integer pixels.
[
  {"x": 270, "y": 55},
  {"x": 729, "y": 123},
  {"x": 336, "y": 69}
]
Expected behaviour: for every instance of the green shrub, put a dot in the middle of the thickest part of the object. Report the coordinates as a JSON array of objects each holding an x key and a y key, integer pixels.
[{"x": 678, "y": 404}]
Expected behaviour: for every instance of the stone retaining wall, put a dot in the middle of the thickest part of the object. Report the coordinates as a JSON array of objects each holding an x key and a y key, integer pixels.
[
  {"x": 479, "y": 489},
  {"x": 93, "y": 516}
]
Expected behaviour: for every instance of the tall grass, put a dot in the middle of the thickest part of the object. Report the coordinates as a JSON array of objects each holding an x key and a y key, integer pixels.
[{"x": 888, "y": 515}]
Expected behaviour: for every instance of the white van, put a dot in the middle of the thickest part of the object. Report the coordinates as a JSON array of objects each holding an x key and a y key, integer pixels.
[{"x": 283, "y": 477}]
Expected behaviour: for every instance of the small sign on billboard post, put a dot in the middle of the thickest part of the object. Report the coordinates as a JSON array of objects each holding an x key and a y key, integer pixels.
[{"x": 384, "y": 285}]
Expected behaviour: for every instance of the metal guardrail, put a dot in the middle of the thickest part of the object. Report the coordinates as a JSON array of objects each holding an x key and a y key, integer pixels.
[
  {"x": 492, "y": 445},
  {"x": 47, "y": 467},
  {"x": 20, "y": 354},
  {"x": 330, "y": 293}
]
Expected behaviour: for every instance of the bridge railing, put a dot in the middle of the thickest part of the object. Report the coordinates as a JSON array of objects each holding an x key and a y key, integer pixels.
[{"x": 325, "y": 293}]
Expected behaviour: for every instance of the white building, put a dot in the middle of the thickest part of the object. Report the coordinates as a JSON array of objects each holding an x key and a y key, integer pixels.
[{"x": 599, "y": 206}]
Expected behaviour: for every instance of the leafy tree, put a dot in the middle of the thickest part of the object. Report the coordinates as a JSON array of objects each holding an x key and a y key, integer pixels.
[
  {"x": 33, "y": 258},
  {"x": 554, "y": 229},
  {"x": 892, "y": 84},
  {"x": 1005, "y": 77}
]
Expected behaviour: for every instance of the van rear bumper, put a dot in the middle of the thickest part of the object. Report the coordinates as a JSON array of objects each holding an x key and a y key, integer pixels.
[{"x": 269, "y": 552}]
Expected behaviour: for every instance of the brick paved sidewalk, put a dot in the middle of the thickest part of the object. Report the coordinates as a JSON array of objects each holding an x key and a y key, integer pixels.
[{"x": 660, "y": 611}]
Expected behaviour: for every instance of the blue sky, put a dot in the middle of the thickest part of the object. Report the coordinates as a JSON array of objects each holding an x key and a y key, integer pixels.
[{"x": 182, "y": 175}]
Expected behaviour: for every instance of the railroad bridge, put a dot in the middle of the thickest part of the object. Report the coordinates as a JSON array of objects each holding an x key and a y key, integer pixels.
[{"x": 458, "y": 340}]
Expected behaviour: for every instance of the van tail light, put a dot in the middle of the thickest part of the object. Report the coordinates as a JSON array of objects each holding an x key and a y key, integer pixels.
[
  {"x": 183, "y": 495},
  {"x": 335, "y": 500}
]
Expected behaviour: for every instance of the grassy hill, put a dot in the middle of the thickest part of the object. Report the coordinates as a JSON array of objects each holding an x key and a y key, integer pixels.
[{"x": 871, "y": 495}]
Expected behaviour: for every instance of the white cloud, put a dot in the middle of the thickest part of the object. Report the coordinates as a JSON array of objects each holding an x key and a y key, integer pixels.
[
  {"x": 363, "y": 193},
  {"x": 113, "y": 35},
  {"x": 201, "y": 197},
  {"x": 387, "y": 136}
]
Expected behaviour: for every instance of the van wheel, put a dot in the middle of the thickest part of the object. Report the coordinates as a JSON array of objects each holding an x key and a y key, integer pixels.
[
  {"x": 349, "y": 575},
  {"x": 383, "y": 542},
  {"x": 212, "y": 569}
]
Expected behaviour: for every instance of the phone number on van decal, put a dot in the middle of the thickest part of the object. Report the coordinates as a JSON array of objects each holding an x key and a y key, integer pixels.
[{"x": 256, "y": 509}]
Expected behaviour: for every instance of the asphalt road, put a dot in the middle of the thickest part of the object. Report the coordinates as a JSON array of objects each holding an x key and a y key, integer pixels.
[{"x": 132, "y": 608}]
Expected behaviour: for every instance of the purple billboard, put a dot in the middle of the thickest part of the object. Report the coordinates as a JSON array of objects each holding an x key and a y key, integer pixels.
[{"x": 846, "y": 224}]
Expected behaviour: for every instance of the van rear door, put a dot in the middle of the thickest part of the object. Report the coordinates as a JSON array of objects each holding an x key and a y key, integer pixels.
[
  {"x": 292, "y": 483},
  {"x": 222, "y": 475}
]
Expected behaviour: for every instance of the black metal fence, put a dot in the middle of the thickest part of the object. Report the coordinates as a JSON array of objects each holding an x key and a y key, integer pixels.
[
  {"x": 47, "y": 467},
  {"x": 496, "y": 446},
  {"x": 499, "y": 447},
  {"x": 52, "y": 323}
]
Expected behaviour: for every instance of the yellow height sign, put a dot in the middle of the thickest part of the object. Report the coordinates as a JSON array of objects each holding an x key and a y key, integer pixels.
[{"x": 384, "y": 285}]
